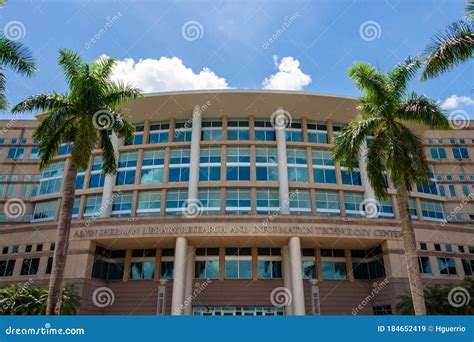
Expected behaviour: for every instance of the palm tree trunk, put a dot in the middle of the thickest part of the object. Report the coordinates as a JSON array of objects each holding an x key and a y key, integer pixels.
[
  {"x": 62, "y": 241},
  {"x": 409, "y": 243}
]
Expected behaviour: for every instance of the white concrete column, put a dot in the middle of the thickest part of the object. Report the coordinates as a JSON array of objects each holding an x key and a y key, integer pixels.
[
  {"x": 287, "y": 277},
  {"x": 110, "y": 179},
  {"x": 188, "y": 290},
  {"x": 195, "y": 155},
  {"x": 279, "y": 123},
  {"x": 294, "y": 247},
  {"x": 179, "y": 276},
  {"x": 368, "y": 190}
]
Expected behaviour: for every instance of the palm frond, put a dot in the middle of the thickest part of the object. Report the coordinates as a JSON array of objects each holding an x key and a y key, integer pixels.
[
  {"x": 103, "y": 67},
  {"x": 368, "y": 80},
  {"x": 402, "y": 74},
  {"x": 42, "y": 102},
  {"x": 3, "y": 83},
  {"x": 109, "y": 164},
  {"x": 422, "y": 110},
  {"x": 118, "y": 92},
  {"x": 70, "y": 62},
  {"x": 449, "y": 49},
  {"x": 376, "y": 152},
  {"x": 16, "y": 56}
]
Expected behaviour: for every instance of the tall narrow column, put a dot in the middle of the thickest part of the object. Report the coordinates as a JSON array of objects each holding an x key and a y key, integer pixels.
[
  {"x": 179, "y": 276},
  {"x": 109, "y": 181},
  {"x": 287, "y": 277},
  {"x": 369, "y": 194},
  {"x": 279, "y": 123},
  {"x": 294, "y": 247},
  {"x": 188, "y": 290},
  {"x": 195, "y": 155}
]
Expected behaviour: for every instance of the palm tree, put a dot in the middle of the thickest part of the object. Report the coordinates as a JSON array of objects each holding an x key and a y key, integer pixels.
[
  {"x": 72, "y": 118},
  {"x": 27, "y": 300},
  {"x": 386, "y": 107},
  {"x": 18, "y": 58},
  {"x": 453, "y": 47},
  {"x": 437, "y": 300}
]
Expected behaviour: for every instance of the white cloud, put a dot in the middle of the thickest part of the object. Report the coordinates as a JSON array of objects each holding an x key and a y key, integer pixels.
[
  {"x": 455, "y": 101},
  {"x": 165, "y": 74},
  {"x": 288, "y": 77}
]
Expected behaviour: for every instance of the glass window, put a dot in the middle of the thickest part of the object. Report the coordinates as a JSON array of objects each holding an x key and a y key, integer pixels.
[
  {"x": 137, "y": 136},
  {"x": 64, "y": 149},
  {"x": 45, "y": 211},
  {"x": 352, "y": 203},
  {"x": 438, "y": 153},
  {"x": 238, "y": 164},
  {"x": 179, "y": 165},
  {"x": 317, "y": 132},
  {"x": 30, "y": 266},
  {"x": 34, "y": 153},
  {"x": 51, "y": 178},
  {"x": 127, "y": 166},
  {"x": 93, "y": 205},
  {"x": 238, "y": 263},
  {"x": 264, "y": 130},
  {"x": 15, "y": 153},
  {"x": 269, "y": 263},
  {"x": 327, "y": 203},
  {"x": 266, "y": 164},
  {"x": 210, "y": 201},
  {"x": 159, "y": 133},
  {"x": 238, "y": 201},
  {"x": 309, "y": 263},
  {"x": 468, "y": 266},
  {"x": 297, "y": 165},
  {"x": 424, "y": 263},
  {"x": 211, "y": 130},
  {"x": 447, "y": 266},
  {"x": 97, "y": 177},
  {"x": 333, "y": 264},
  {"x": 432, "y": 210},
  {"x": 167, "y": 263},
  {"x": 300, "y": 202},
  {"x": 206, "y": 265},
  {"x": 149, "y": 203},
  {"x": 350, "y": 177},
  {"x": 142, "y": 265},
  {"x": 152, "y": 167},
  {"x": 183, "y": 130},
  {"x": 324, "y": 170},
  {"x": 75, "y": 207},
  {"x": 268, "y": 201},
  {"x": 460, "y": 153},
  {"x": 294, "y": 132},
  {"x": 210, "y": 164},
  {"x": 176, "y": 201},
  {"x": 238, "y": 129},
  {"x": 122, "y": 204}
]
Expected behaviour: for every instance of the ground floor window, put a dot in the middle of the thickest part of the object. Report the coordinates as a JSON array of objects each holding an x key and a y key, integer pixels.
[
  {"x": 206, "y": 265},
  {"x": 167, "y": 263},
  {"x": 382, "y": 310},
  {"x": 447, "y": 266},
  {"x": 237, "y": 311},
  {"x": 238, "y": 263},
  {"x": 333, "y": 264},
  {"x": 269, "y": 263},
  {"x": 30, "y": 266},
  {"x": 143, "y": 264},
  {"x": 309, "y": 263}
]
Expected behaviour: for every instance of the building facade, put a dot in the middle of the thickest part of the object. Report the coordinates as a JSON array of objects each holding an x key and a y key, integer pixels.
[{"x": 218, "y": 208}]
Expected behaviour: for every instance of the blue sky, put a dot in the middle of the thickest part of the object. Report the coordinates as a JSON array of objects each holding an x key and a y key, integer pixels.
[{"x": 228, "y": 44}]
